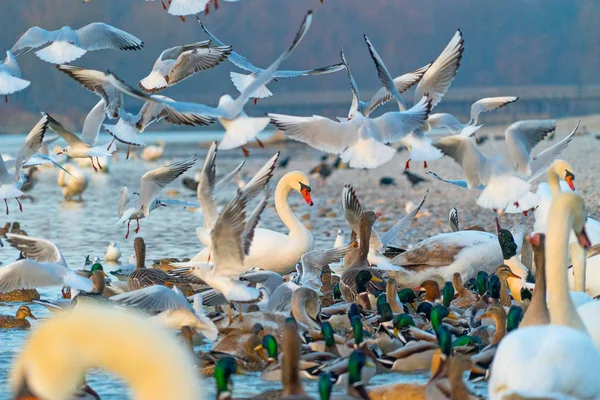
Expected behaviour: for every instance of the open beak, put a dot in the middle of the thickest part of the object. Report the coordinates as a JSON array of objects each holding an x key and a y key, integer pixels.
[
  {"x": 375, "y": 279},
  {"x": 306, "y": 195},
  {"x": 584, "y": 240}
]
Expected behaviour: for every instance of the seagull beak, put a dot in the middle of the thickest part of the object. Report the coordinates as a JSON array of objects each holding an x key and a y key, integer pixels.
[
  {"x": 378, "y": 214},
  {"x": 59, "y": 153}
]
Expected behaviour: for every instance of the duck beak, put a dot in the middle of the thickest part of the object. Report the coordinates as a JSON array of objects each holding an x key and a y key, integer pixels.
[
  {"x": 375, "y": 279},
  {"x": 452, "y": 316},
  {"x": 369, "y": 363},
  {"x": 513, "y": 275},
  {"x": 476, "y": 369},
  {"x": 105, "y": 274},
  {"x": 32, "y": 316},
  {"x": 396, "y": 331},
  {"x": 584, "y": 240},
  {"x": 259, "y": 350}
]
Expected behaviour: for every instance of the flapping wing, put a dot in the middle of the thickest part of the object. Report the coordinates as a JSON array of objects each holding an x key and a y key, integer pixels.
[
  {"x": 522, "y": 137},
  {"x": 122, "y": 201},
  {"x": 261, "y": 179},
  {"x": 389, "y": 237},
  {"x": 402, "y": 84},
  {"x": 228, "y": 250},
  {"x": 351, "y": 207},
  {"x": 152, "y": 112},
  {"x": 97, "y": 82},
  {"x": 11, "y": 64},
  {"x": 319, "y": 132},
  {"x": 206, "y": 187},
  {"x": 443, "y": 120},
  {"x": 252, "y": 223},
  {"x": 439, "y": 76},
  {"x": 98, "y": 35},
  {"x": 40, "y": 250},
  {"x": 174, "y": 52},
  {"x": 154, "y": 181},
  {"x": 313, "y": 263},
  {"x": 235, "y": 58},
  {"x": 154, "y": 298},
  {"x": 384, "y": 75},
  {"x": 32, "y": 144},
  {"x": 453, "y": 220},
  {"x": 267, "y": 75},
  {"x": 489, "y": 104},
  {"x": 330, "y": 69},
  {"x": 93, "y": 122},
  {"x": 353, "y": 87},
  {"x": 30, "y": 274},
  {"x": 460, "y": 183},
  {"x": 33, "y": 38},
  {"x": 224, "y": 181},
  {"x": 56, "y": 126},
  {"x": 393, "y": 126},
  {"x": 541, "y": 162},
  {"x": 197, "y": 60}
]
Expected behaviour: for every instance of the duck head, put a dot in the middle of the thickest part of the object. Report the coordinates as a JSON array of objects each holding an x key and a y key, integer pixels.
[
  {"x": 269, "y": 344},
  {"x": 363, "y": 277},
  {"x": 407, "y": 296},
  {"x": 514, "y": 317},
  {"x": 438, "y": 313},
  {"x": 357, "y": 331},
  {"x": 507, "y": 242},
  {"x": 328, "y": 332},
  {"x": 448, "y": 294},
  {"x": 326, "y": 382},
  {"x": 494, "y": 287},
  {"x": 402, "y": 321},
  {"x": 23, "y": 312},
  {"x": 482, "y": 282},
  {"x": 385, "y": 312},
  {"x": 224, "y": 368}
]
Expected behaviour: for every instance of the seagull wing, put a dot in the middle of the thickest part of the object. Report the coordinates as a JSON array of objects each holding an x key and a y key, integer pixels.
[
  {"x": 197, "y": 60},
  {"x": 351, "y": 207},
  {"x": 489, "y": 104},
  {"x": 60, "y": 130},
  {"x": 206, "y": 187},
  {"x": 388, "y": 237},
  {"x": 33, "y": 38},
  {"x": 227, "y": 246},
  {"x": 40, "y": 250},
  {"x": 93, "y": 122},
  {"x": 541, "y": 162},
  {"x": 32, "y": 144},
  {"x": 155, "y": 298},
  {"x": 98, "y": 35},
  {"x": 522, "y": 137}
]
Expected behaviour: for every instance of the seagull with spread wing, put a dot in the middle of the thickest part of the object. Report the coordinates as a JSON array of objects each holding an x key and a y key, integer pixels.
[
  {"x": 181, "y": 62},
  {"x": 67, "y": 44},
  {"x": 84, "y": 147},
  {"x": 242, "y": 81},
  {"x": 43, "y": 266},
  {"x": 505, "y": 178},
  {"x": 151, "y": 184},
  {"x": 10, "y": 76},
  {"x": 10, "y": 184},
  {"x": 239, "y": 127}
]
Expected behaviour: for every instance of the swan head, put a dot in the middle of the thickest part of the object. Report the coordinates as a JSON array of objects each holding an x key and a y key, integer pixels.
[
  {"x": 578, "y": 215},
  {"x": 565, "y": 171},
  {"x": 299, "y": 182}
]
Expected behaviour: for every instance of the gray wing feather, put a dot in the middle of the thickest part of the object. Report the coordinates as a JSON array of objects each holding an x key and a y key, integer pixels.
[
  {"x": 541, "y": 162},
  {"x": 389, "y": 236}
]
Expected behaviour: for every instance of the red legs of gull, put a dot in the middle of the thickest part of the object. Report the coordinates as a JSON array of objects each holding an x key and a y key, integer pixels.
[
  {"x": 163, "y": 4},
  {"x": 20, "y": 205},
  {"x": 6, "y": 98},
  {"x": 216, "y": 4},
  {"x": 127, "y": 234},
  {"x": 407, "y": 166},
  {"x": 138, "y": 226},
  {"x": 182, "y": 18},
  {"x": 262, "y": 146},
  {"x": 424, "y": 164},
  {"x": 98, "y": 162},
  {"x": 206, "y": 11},
  {"x": 526, "y": 212},
  {"x": 111, "y": 143},
  {"x": 255, "y": 100},
  {"x": 246, "y": 152},
  {"x": 516, "y": 203},
  {"x": 128, "y": 148},
  {"x": 6, "y": 202},
  {"x": 93, "y": 166}
]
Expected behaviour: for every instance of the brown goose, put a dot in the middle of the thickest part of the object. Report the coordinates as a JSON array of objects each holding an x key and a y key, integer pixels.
[
  {"x": 537, "y": 312},
  {"x": 142, "y": 277}
]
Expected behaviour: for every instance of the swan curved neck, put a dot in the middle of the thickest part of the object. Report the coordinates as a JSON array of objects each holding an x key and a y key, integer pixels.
[
  {"x": 562, "y": 310},
  {"x": 537, "y": 312},
  {"x": 282, "y": 193},
  {"x": 553, "y": 182},
  {"x": 579, "y": 259}
]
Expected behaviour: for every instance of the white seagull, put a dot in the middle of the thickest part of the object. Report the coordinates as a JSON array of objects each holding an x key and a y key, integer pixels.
[
  {"x": 67, "y": 45},
  {"x": 43, "y": 266},
  {"x": 10, "y": 76},
  {"x": 181, "y": 62},
  {"x": 85, "y": 147},
  {"x": 505, "y": 178},
  {"x": 151, "y": 184},
  {"x": 10, "y": 184},
  {"x": 242, "y": 81},
  {"x": 239, "y": 128}
]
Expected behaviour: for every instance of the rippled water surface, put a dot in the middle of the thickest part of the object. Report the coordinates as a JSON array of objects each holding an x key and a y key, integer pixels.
[{"x": 85, "y": 228}]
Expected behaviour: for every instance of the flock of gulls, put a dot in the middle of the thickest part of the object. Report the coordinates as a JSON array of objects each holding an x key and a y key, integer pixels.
[{"x": 513, "y": 307}]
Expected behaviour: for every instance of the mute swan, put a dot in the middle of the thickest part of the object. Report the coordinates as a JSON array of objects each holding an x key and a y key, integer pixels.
[
  {"x": 142, "y": 353},
  {"x": 557, "y": 360},
  {"x": 273, "y": 250},
  {"x": 73, "y": 182}
]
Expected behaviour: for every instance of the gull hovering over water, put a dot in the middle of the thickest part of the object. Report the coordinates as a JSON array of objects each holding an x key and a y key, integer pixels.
[
  {"x": 151, "y": 184},
  {"x": 10, "y": 185},
  {"x": 67, "y": 45},
  {"x": 506, "y": 178},
  {"x": 242, "y": 81},
  {"x": 84, "y": 147},
  {"x": 181, "y": 62},
  {"x": 10, "y": 76},
  {"x": 239, "y": 128}
]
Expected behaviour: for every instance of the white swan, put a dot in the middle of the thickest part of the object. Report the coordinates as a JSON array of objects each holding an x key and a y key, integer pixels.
[
  {"x": 273, "y": 250},
  {"x": 88, "y": 339},
  {"x": 73, "y": 182},
  {"x": 558, "y": 360}
]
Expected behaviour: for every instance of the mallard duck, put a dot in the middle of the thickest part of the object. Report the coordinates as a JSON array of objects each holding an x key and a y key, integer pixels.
[
  {"x": 87, "y": 336},
  {"x": 465, "y": 298},
  {"x": 18, "y": 321},
  {"x": 432, "y": 291},
  {"x": 97, "y": 292},
  {"x": 20, "y": 295},
  {"x": 141, "y": 276},
  {"x": 224, "y": 368},
  {"x": 504, "y": 272},
  {"x": 242, "y": 345}
]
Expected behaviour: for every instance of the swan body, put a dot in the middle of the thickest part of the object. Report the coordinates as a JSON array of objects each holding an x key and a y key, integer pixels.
[
  {"x": 276, "y": 251},
  {"x": 74, "y": 184},
  {"x": 440, "y": 256}
]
